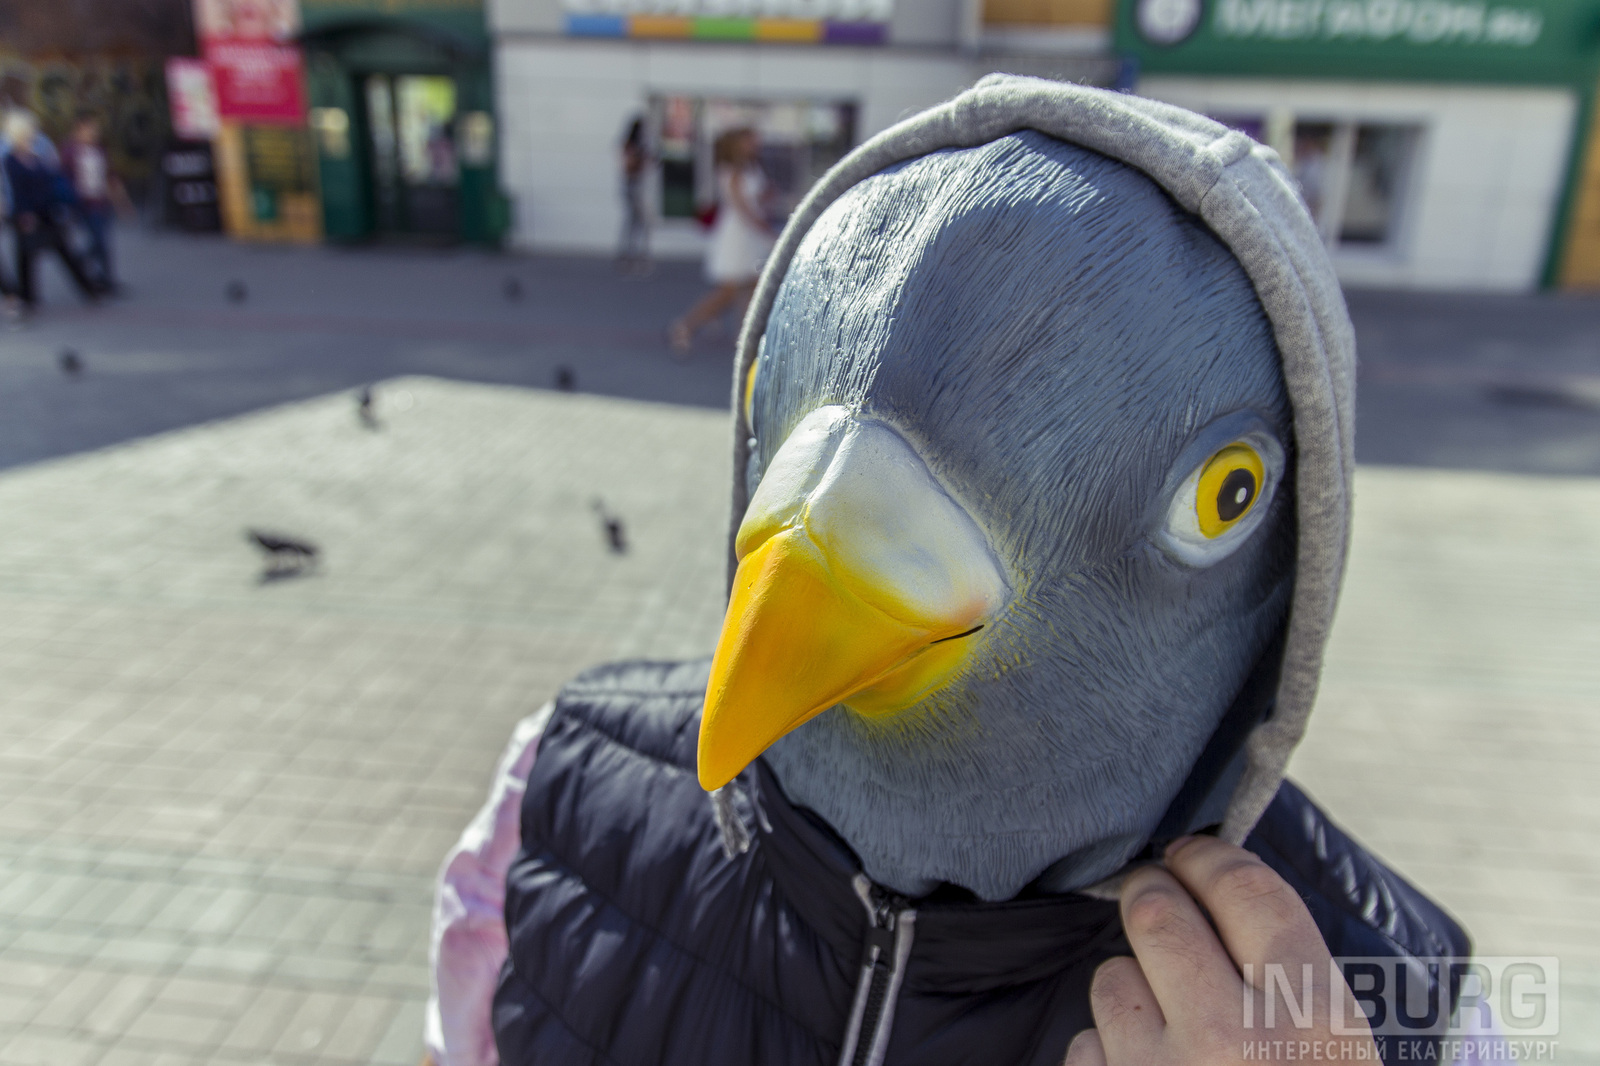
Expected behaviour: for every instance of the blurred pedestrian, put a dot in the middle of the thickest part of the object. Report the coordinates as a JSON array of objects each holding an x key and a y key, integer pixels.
[
  {"x": 10, "y": 300},
  {"x": 38, "y": 194},
  {"x": 44, "y": 150},
  {"x": 741, "y": 236},
  {"x": 98, "y": 191},
  {"x": 634, "y": 253}
]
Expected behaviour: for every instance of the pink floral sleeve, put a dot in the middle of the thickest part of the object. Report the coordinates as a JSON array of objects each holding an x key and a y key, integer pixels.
[{"x": 468, "y": 944}]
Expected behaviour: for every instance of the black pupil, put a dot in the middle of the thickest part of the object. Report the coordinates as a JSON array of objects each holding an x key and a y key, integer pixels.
[{"x": 1233, "y": 499}]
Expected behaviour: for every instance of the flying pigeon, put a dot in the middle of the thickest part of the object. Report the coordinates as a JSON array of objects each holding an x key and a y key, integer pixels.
[{"x": 1042, "y": 473}]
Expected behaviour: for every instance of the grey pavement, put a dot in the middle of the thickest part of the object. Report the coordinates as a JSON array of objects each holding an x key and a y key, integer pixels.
[
  {"x": 178, "y": 351},
  {"x": 1472, "y": 381},
  {"x": 222, "y": 798}
]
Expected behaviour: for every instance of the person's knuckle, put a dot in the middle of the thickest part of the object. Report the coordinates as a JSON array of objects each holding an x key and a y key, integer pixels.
[
  {"x": 1154, "y": 911},
  {"x": 1112, "y": 990},
  {"x": 1248, "y": 880}
]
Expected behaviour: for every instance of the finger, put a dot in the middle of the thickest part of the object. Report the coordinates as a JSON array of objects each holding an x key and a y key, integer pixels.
[
  {"x": 1178, "y": 953},
  {"x": 1085, "y": 1050},
  {"x": 1258, "y": 916},
  {"x": 1129, "y": 1020}
]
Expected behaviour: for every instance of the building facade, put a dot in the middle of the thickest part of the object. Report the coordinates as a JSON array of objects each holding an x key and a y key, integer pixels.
[
  {"x": 814, "y": 77},
  {"x": 1436, "y": 142},
  {"x": 1439, "y": 144}
]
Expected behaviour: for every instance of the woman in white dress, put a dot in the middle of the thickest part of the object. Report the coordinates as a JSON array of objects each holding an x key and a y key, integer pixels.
[{"x": 740, "y": 236}]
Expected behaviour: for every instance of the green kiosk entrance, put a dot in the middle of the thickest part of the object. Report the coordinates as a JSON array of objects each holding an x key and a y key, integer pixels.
[{"x": 402, "y": 109}]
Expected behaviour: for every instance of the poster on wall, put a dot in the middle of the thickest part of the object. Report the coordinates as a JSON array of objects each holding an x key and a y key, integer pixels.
[
  {"x": 256, "y": 72},
  {"x": 191, "y": 99},
  {"x": 258, "y": 81}
]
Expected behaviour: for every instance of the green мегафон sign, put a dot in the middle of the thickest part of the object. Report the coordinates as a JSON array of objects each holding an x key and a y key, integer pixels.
[{"x": 1550, "y": 42}]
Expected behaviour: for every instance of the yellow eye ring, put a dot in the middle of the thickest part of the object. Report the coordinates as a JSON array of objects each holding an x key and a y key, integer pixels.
[{"x": 1229, "y": 484}]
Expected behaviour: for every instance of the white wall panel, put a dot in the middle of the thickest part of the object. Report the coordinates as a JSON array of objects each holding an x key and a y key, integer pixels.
[{"x": 524, "y": 16}]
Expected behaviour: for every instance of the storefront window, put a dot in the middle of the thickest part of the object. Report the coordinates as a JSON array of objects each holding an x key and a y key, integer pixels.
[
  {"x": 1314, "y": 157},
  {"x": 1378, "y": 165},
  {"x": 800, "y": 140},
  {"x": 1350, "y": 174}
]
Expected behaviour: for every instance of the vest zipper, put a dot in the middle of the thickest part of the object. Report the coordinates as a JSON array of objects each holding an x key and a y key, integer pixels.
[{"x": 890, "y": 926}]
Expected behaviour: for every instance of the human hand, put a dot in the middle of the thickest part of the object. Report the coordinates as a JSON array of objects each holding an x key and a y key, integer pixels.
[{"x": 1183, "y": 999}]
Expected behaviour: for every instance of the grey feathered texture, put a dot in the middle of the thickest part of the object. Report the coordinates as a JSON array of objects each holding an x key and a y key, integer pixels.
[
  {"x": 1054, "y": 335},
  {"x": 1240, "y": 190}
]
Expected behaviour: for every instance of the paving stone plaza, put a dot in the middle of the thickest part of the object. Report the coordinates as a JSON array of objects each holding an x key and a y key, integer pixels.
[{"x": 223, "y": 795}]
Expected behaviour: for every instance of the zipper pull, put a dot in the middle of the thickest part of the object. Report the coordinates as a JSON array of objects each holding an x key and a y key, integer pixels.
[
  {"x": 890, "y": 925},
  {"x": 880, "y": 933}
]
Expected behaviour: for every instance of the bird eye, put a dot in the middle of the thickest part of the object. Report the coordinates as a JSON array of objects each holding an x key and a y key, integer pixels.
[
  {"x": 1228, "y": 487},
  {"x": 1221, "y": 502}
]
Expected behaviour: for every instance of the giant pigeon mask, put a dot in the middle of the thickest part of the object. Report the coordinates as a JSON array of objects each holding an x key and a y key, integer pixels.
[{"x": 1021, "y": 515}]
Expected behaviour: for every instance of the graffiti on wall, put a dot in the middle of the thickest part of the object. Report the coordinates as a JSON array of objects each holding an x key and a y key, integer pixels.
[{"x": 127, "y": 94}]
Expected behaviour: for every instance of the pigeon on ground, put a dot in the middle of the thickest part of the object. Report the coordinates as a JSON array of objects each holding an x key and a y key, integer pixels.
[
  {"x": 566, "y": 380},
  {"x": 236, "y": 291},
  {"x": 512, "y": 289},
  {"x": 71, "y": 363},
  {"x": 286, "y": 556},
  {"x": 365, "y": 409},
  {"x": 611, "y": 525}
]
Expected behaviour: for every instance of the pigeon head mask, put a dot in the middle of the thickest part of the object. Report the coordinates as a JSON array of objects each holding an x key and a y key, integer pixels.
[{"x": 1020, "y": 465}]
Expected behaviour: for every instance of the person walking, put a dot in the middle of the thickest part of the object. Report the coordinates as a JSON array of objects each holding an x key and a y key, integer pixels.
[
  {"x": 741, "y": 237},
  {"x": 99, "y": 193},
  {"x": 45, "y": 151},
  {"x": 10, "y": 299},
  {"x": 36, "y": 202},
  {"x": 633, "y": 254}
]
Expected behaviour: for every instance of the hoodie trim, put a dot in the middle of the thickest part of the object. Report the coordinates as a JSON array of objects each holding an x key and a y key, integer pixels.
[{"x": 1243, "y": 193}]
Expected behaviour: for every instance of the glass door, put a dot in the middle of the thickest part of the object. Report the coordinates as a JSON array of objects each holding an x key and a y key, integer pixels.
[
  {"x": 411, "y": 119},
  {"x": 385, "y": 169}
]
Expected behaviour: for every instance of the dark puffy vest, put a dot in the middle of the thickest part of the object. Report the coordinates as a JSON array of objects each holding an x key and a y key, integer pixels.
[{"x": 635, "y": 939}]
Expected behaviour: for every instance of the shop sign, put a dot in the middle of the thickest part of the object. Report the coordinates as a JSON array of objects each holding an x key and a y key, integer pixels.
[
  {"x": 1539, "y": 41},
  {"x": 786, "y": 21}
]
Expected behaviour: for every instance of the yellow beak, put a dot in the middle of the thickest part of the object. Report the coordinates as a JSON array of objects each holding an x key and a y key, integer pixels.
[{"x": 858, "y": 578}]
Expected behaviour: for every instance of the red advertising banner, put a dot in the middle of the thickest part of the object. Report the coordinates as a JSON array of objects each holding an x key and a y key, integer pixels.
[{"x": 257, "y": 81}]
